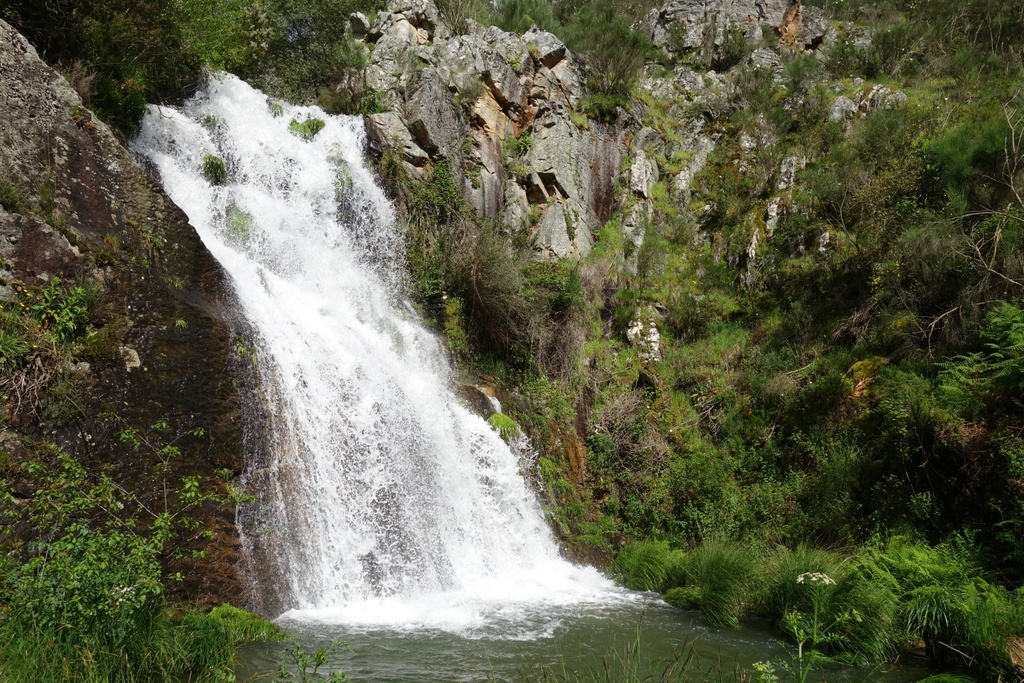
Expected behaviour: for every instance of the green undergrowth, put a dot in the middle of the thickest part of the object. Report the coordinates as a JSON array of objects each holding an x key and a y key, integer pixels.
[
  {"x": 865, "y": 607},
  {"x": 83, "y": 593}
]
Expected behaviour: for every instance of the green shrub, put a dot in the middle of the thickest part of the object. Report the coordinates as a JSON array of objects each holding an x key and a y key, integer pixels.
[
  {"x": 602, "y": 107},
  {"x": 944, "y": 601},
  {"x": 973, "y": 148},
  {"x": 11, "y": 196},
  {"x": 63, "y": 311},
  {"x": 312, "y": 54},
  {"x": 683, "y": 597},
  {"x": 482, "y": 270},
  {"x": 134, "y": 52},
  {"x": 513, "y": 148},
  {"x": 854, "y": 608},
  {"x": 83, "y": 598},
  {"x": 455, "y": 12},
  {"x": 733, "y": 50},
  {"x": 518, "y": 16},
  {"x": 602, "y": 31},
  {"x": 214, "y": 170},
  {"x": 504, "y": 424}
]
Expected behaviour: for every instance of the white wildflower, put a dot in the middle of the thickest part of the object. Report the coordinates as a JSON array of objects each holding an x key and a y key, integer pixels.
[{"x": 816, "y": 577}]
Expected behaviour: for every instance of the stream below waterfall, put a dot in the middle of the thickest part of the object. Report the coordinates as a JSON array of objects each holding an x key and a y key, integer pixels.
[
  {"x": 526, "y": 644},
  {"x": 385, "y": 514}
]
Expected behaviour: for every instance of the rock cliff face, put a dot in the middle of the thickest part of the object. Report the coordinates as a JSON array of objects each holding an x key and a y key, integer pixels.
[
  {"x": 499, "y": 108},
  {"x": 505, "y": 111},
  {"x": 159, "y": 346},
  {"x": 699, "y": 25}
]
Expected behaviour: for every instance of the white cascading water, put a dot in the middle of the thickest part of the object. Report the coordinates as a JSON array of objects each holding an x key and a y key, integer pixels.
[{"x": 385, "y": 502}]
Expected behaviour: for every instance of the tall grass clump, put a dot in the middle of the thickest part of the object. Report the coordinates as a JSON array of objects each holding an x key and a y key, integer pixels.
[
  {"x": 851, "y": 605},
  {"x": 779, "y": 591},
  {"x": 644, "y": 565},
  {"x": 724, "y": 574}
]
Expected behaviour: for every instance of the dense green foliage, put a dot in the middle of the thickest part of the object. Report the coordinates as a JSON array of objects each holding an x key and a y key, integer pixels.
[
  {"x": 120, "y": 55},
  {"x": 83, "y": 596}
]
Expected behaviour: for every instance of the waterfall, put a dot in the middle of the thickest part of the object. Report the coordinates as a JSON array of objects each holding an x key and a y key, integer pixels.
[{"x": 383, "y": 499}]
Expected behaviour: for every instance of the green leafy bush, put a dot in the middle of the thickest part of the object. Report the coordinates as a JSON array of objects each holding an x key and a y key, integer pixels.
[
  {"x": 602, "y": 107},
  {"x": 64, "y": 311},
  {"x": 84, "y": 597}
]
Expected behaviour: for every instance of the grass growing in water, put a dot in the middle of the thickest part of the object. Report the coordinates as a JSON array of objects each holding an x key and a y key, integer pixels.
[
  {"x": 214, "y": 170},
  {"x": 644, "y": 565},
  {"x": 723, "y": 572}
]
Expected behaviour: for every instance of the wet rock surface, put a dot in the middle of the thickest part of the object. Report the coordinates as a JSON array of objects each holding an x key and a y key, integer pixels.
[{"x": 165, "y": 345}]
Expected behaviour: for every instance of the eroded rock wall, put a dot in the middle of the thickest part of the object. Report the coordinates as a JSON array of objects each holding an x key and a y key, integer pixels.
[
  {"x": 500, "y": 108},
  {"x": 161, "y": 347}
]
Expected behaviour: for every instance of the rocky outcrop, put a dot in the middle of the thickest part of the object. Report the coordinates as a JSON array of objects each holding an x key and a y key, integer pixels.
[
  {"x": 502, "y": 109},
  {"x": 505, "y": 111},
  {"x": 160, "y": 347},
  {"x": 682, "y": 26}
]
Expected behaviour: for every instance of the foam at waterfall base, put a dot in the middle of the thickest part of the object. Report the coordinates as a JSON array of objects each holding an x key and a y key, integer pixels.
[{"x": 511, "y": 607}]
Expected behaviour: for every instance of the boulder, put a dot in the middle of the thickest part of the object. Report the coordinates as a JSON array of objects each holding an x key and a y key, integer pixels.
[
  {"x": 390, "y": 131},
  {"x": 643, "y": 174},
  {"x": 701, "y": 148},
  {"x": 420, "y": 14},
  {"x": 486, "y": 189},
  {"x": 556, "y": 156},
  {"x": 763, "y": 58},
  {"x": 472, "y": 57},
  {"x": 880, "y": 97},
  {"x": 360, "y": 25},
  {"x": 788, "y": 169},
  {"x": 815, "y": 29},
  {"x": 434, "y": 121},
  {"x": 546, "y": 47},
  {"x": 841, "y": 109},
  {"x": 643, "y": 335},
  {"x": 516, "y": 212},
  {"x": 646, "y": 140},
  {"x": 688, "y": 24},
  {"x": 560, "y": 234}
]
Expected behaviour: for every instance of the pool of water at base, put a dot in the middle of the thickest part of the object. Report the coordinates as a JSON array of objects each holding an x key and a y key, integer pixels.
[{"x": 561, "y": 644}]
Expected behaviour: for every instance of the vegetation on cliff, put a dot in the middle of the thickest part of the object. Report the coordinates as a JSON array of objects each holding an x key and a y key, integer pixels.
[
  {"x": 836, "y": 378},
  {"x": 837, "y": 301}
]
